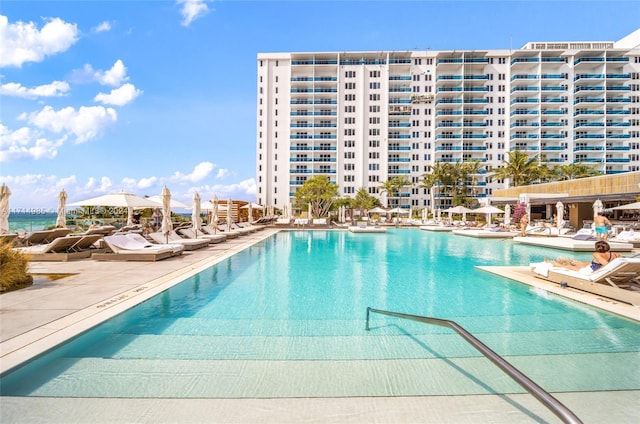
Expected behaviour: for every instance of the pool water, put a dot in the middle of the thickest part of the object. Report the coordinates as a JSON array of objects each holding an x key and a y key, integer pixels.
[{"x": 286, "y": 318}]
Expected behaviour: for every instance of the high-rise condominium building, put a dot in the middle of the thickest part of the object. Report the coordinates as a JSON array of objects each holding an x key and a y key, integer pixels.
[{"x": 362, "y": 118}]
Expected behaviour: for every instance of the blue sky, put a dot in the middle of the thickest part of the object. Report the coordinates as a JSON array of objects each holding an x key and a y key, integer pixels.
[{"x": 102, "y": 96}]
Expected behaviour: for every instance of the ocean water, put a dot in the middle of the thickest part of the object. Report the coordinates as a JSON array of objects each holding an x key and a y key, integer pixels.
[
  {"x": 286, "y": 318},
  {"x": 22, "y": 221}
]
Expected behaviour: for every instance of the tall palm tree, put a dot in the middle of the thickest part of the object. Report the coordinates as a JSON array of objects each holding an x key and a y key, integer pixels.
[
  {"x": 393, "y": 186},
  {"x": 519, "y": 168}
]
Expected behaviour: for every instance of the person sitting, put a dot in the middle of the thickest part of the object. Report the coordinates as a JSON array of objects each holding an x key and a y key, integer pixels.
[
  {"x": 94, "y": 224},
  {"x": 601, "y": 257}
]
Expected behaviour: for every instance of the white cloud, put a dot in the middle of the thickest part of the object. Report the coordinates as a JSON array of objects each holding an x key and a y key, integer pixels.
[
  {"x": 26, "y": 143},
  {"x": 103, "y": 27},
  {"x": 222, "y": 172},
  {"x": 84, "y": 124},
  {"x": 200, "y": 172},
  {"x": 23, "y": 42},
  {"x": 119, "y": 96},
  {"x": 146, "y": 182},
  {"x": 191, "y": 10},
  {"x": 113, "y": 77},
  {"x": 54, "y": 89}
]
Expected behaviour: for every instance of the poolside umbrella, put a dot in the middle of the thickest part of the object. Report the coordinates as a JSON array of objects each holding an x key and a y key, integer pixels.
[
  {"x": 214, "y": 211},
  {"x": 598, "y": 207},
  {"x": 4, "y": 208},
  {"x": 174, "y": 203},
  {"x": 195, "y": 212},
  {"x": 507, "y": 215},
  {"x": 229, "y": 203},
  {"x": 458, "y": 209},
  {"x": 377, "y": 210},
  {"x": 118, "y": 199},
  {"x": 130, "y": 215},
  {"x": 167, "y": 225},
  {"x": 61, "y": 221},
  {"x": 488, "y": 210},
  {"x": 560, "y": 209},
  {"x": 627, "y": 207},
  {"x": 424, "y": 215},
  {"x": 309, "y": 214}
]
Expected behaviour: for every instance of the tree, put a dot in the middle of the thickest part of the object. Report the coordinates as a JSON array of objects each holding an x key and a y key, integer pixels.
[
  {"x": 318, "y": 192},
  {"x": 574, "y": 170},
  {"x": 520, "y": 169},
  {"x": 393, "y": 186},
  {"x": 364, "y": 201}
]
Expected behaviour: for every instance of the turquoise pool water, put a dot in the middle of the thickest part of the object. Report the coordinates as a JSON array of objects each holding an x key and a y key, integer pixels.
[{"x": 286, "y": 318}]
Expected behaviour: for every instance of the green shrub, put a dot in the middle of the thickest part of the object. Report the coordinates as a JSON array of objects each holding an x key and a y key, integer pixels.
[{"x": 13, "y": 265}]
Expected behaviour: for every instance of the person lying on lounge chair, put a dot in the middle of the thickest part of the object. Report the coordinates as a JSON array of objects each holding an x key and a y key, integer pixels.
[{"x": 601, "y": 257}]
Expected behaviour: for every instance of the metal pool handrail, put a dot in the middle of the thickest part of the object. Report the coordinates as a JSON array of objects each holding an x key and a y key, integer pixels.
[{"x": 553, "y": 404}]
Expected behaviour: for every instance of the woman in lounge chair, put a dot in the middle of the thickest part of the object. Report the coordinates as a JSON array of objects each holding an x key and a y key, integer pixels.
[{"x": 601, "y": 257}]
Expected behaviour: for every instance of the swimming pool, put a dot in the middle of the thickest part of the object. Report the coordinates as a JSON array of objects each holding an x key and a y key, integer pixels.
[{"x": 286, "y": 318}]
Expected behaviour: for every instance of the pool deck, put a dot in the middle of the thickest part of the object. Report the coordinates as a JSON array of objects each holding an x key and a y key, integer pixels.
[{"x": 39, "y": 317}]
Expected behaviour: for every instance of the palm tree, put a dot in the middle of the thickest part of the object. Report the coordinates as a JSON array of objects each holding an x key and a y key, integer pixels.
[
  {"x": 393, "y": 186},
  {"x": 520, "y": 168},
  {"x": 574, "y": 170}
]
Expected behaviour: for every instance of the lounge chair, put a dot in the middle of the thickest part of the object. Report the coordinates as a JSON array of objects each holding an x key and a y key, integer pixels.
[
  {"x": 60, "y": 249},
  {"x": 174, "y": 238},
  {"x": 177, "y": 248},
  {"x": 628, "y": 236},
  {"x": 617, "y": 280},
  {"x": 44, "y": 236},
  {"x": 8, "y": 238},
  {"x": 127, "y": 249},
  {"x": 105, "y": 230},
  {"x": 202, "y": 235},
  {"x": 230, "y": 234},
  {"x": 86, "y": 242}
]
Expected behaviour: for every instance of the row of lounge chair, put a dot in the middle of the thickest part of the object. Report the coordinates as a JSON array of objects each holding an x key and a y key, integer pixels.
[{"x": 109, "y": 244}]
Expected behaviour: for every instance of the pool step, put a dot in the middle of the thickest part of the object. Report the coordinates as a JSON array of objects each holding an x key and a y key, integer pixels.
[
  {"x": 96, "y": 377},
  {"x": 368, "y": 345}
]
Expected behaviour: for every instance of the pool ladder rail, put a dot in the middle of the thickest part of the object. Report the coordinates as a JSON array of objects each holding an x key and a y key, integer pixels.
[{"x": 553, "y": 404}]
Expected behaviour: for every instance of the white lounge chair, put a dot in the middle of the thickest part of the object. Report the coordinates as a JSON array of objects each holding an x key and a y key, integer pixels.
[
  {"x": 211, "y": 238},
  {"x": 60, "y": 249},
  {"x": 174, "y": 238},
  {"x": 617, "y": 280},
  {"x": 127, "y": 249},
  {"x": 175, "y": 247}
]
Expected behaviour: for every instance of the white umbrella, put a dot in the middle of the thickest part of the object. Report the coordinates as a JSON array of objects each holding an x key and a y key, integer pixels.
[
  {"x": 398, "y": 211},
  {"x": 252, "y": 206},
  {"x": 458, "y": 209},
  {"x": 195, "y": 213},
  {"x": 424, "y": 215},
  {"x": 229, "y": 203},
  {"x": 174, "y": 203},
  {"x": 377, "y": 210},
  {"x": 488, "y": 209},
  {"x": 130, "y": 215},
  {"x": 507, "y": 215},
  {"x": 598, "y": 207},
  {"x": 214, "y": 212},
  {"x": 118, "y": 199},
  {"x": 167, "y": 225},
  {"x": 627, "y": 207},
  {"x": 61, "y": 220},
  {"x": 250, "y": 218},
  {"x": 4, "y": 208},
  {"x": 309, "y": 214},
  {"x": 560, "y": 212}
]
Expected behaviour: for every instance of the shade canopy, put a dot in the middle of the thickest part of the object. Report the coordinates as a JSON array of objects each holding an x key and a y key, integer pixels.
[
  {"x": 4, "y": 208},
  {"x": 378, "y": 210},
  {"x": 118, "y": 199},
  {"x": 252, "y": 206},
  {"x": 174, "y": 203},
  {"x": 167, "y": 225},
  {"x": 459, "y": 209},
  {"x": 195, "y": 212},
  {"x": 488, "y": 209},
  {"x": 61, "y": 221},
  {"x": 398, "y": 210},
  {"x": 627, "y": 207}
]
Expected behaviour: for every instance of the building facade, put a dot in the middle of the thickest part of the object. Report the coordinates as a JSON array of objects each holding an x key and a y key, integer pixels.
[{"x": 362, "y": 118}]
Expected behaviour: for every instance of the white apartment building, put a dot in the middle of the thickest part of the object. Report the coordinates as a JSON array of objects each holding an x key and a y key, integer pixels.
[{"x": 362, "y": 118}]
